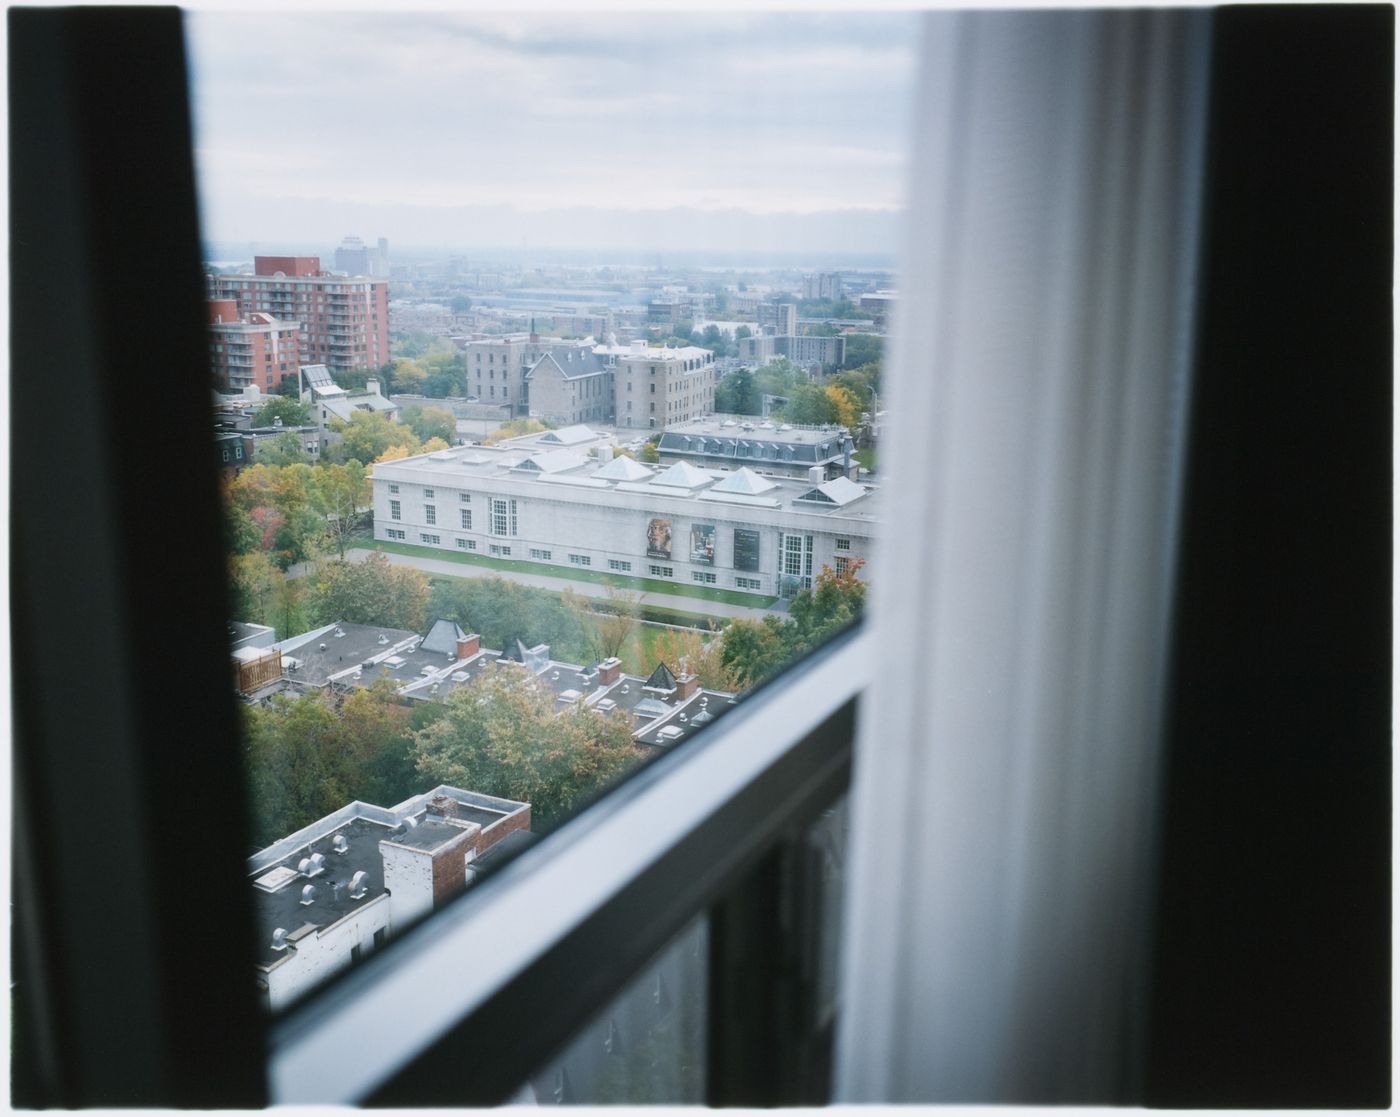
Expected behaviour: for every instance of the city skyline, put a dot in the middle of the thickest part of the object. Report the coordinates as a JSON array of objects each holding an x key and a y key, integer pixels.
[{"x": 767, "y": 133}]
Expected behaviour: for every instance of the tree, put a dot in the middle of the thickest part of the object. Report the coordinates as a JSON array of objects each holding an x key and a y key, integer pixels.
[
  {"x": 755, "y": 649},
  {"x": 649, "y": 452},
  {"x": 741, "y": 332},
  {"x": 342, "y": 492},
  {"x": 290, "y": 411},
  {"x": 809, "y": 404},
  {"x": 430, "y": 422},
  {"x": 862, "y": 349},
  {"x": 505, "y": 612},
  {"x": 461, "y": 304},
  {"x": 688, "y": 650},
  {"x": 845, "y": 404},
  {"x": 368, "y": 434},
  {"x": 371, "y": 592},
  {"x": 735, "y": 395},
  {"x": 287, "y": 748},
  {"x": 410, "y": 377},
  {"x": 253, "y": 579},
  {"x": 376, "y": 745},
  {"x": 501, "y": 736},
  {"x": 609, "y": 623},
  {"x": 285, "y": 449}
]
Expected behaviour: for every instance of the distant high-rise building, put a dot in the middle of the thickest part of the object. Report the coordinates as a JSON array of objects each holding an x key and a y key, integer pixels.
[
  {"x": 344, "y": 320},
  {"x": 777, "y": 318},
  {"x": 380, "y": 265},
  {"x": 824, "y": 285},
  {"x": 352, "y": 257}
]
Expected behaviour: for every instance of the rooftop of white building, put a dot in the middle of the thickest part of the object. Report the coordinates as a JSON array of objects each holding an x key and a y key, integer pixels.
[{"x": 536, "y": 462}]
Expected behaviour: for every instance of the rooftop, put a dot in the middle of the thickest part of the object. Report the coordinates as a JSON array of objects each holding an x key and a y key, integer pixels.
[
  {"x": 335, "y": 850},
  {"x": 315, "y": 656},
  {"x": 520, "y": 461}
]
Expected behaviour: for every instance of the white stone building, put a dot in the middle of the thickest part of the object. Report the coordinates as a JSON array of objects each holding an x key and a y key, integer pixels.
[
  {"x": 736, "y": 529},
  {"x": 340, "y": 888}
]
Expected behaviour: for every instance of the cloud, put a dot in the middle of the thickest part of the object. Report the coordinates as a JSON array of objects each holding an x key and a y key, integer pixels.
[{"x": 743, "y": 113}]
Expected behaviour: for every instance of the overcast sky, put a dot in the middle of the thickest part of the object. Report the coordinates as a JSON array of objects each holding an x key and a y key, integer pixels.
[{"x": 641, "y": 130}]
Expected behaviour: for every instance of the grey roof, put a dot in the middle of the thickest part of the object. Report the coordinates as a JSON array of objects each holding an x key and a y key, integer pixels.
[
  {"x": 661, "y": 678},
  {"x": 443, "y": 637},
  {"x": 839, "y": 491},
  {"x": 337, "y": 647},
  {"x": 623, "y": 468},
  {"x": 682, "y": 475},
  {"x": 552, "y": 461},
  {"x": 568, "y": 436},
  {"x": 573, "y": 364},
  {"x": 745, "y": 482}
]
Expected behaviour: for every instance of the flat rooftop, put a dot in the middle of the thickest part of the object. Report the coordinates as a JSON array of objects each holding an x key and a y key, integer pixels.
[{"x": 334, "y": 648}]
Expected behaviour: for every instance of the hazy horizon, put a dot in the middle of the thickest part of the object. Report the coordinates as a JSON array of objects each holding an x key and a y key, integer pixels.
[{"x": 769, "y": 135}]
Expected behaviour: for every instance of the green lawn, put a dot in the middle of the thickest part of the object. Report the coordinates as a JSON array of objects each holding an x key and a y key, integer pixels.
[
  {"x": 577, "y": 574},
  {"x": 866, "y": 458}
]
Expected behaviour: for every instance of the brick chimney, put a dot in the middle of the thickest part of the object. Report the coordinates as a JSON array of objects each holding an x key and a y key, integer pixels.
[
  {"x": 468, "y": 646},
  {"x": 686, "y": 686},
  {"x": 609, "y": 670}
]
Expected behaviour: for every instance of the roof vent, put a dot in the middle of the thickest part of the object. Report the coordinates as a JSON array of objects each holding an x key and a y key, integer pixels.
[
  {"x": 340, "y": 843},
  {"x": 382, "y": 639},
  {"x": 357, "y": 885},
  {"x": 337, "y": 891},
  {"x": 318, "y": 863},
  {"x": 340, "y": 633},
  {"x": 279, "y": 938},
  {"x": 308, "y": 894},
  {"x": 321, "y": 646},
  {"x": 304, "y": 866}
]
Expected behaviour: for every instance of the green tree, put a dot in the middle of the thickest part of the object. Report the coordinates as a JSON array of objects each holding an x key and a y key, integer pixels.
[
  {"x": 290, "y": 411},
  {"x": 501, "y": 736},
  {"x": 430, "y": 422},
  {"x": 253, "y": 581},
  {"x": 371, "y": 592},
  {"x": 376, "y": 746},
  {"x": 410, "y": 377},
  {"x": 343, "y": 491},
  {"x": 368, "y": 434},
  {"x": 609, "y": 623},
  {"x": 741, "y": 332},
  {"x": 289, "y": 748},
  {"x": 649, "y": 452},
  {"x": 754, "y": 649},
  {"x": 461, "y": 304},
  {"x": 735, "y": 394},
  {"x": 689, "y": 650},
  {"x": 863, "y": 349},
  {"x": 809, "y": 404},
  {"x": 285, "y": 449},
  {"x": 504, "y": 612}
]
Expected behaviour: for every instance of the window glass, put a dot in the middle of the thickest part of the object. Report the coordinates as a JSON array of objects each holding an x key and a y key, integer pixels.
[
  {"x": 593, "y": 222},
  {"x": 647, "y": 1047}
]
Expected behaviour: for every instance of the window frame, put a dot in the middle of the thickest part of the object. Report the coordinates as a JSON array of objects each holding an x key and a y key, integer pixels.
[{"x": 678, "y": 837}]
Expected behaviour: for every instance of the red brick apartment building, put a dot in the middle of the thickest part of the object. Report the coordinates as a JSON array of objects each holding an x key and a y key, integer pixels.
[
  {"x": 258, "y": 349},
  {"x": 344, "y": 320}
]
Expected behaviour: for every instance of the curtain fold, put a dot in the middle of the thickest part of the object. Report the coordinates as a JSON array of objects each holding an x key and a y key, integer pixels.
[{"x": 1005, "y": 791}]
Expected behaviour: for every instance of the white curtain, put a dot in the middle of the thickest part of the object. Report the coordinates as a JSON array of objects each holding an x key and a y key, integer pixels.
[{"x": 1005, "y": 788}]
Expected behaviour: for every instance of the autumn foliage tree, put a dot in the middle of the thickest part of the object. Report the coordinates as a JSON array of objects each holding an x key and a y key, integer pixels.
[
  {"x": 501, "y": 736},
  {"x": 371, "y": 592}
]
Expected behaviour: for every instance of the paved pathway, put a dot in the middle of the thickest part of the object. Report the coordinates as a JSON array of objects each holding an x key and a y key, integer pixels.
[{"x": 545, "y": 581}]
